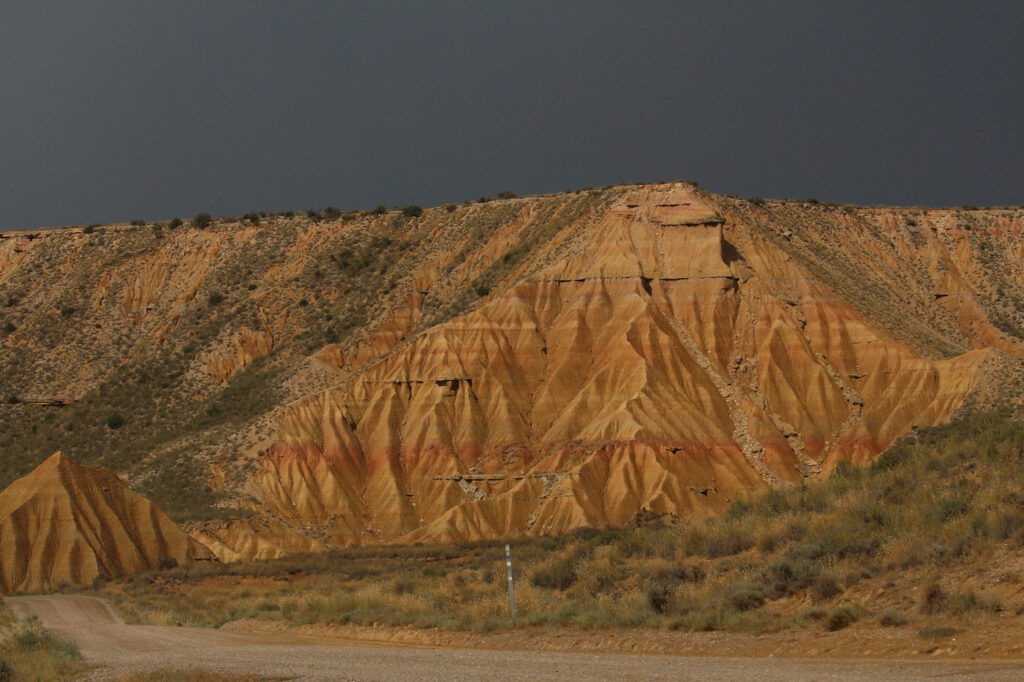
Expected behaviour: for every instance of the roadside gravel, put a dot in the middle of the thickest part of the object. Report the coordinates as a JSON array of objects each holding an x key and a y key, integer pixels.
[{"x": 118, "y": 648}]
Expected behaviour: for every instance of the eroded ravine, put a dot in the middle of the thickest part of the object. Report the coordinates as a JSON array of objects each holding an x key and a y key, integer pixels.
[{"x": 528, "y": 365}]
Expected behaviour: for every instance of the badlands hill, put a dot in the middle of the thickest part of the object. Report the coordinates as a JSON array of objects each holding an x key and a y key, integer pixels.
[
  {"x": 517, "y": 366},
  {"x": 69, "y": 524}
]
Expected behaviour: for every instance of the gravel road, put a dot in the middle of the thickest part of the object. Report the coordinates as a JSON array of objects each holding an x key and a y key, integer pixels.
[{"x": 106, "y": 641}]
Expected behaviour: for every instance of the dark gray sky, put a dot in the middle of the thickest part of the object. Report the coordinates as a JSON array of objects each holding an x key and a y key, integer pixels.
[{"x": 118, "y": 109}]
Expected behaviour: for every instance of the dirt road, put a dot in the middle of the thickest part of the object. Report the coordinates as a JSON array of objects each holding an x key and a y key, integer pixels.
[{"x": 105, "y": 640}]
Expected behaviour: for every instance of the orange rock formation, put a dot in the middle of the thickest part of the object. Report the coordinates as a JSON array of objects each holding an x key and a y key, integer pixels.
[
  {"x": 660, "y": 366},
  {"x": 523, "y": 366},
  {"x": 69, "y": 524}
]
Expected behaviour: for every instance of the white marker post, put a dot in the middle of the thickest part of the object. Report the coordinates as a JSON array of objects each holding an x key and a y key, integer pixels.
[{"x": 511, "y": 584}]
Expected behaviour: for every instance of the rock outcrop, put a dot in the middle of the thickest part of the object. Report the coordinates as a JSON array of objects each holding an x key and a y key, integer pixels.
[
  {"x": 521, "y": 366},
  {"x": 661, "y": 367},
  {"x": 69, "y": 524}
]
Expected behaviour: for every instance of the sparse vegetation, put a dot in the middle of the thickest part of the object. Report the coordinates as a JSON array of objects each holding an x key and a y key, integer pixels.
[
  {"x": 29, "y": 652},
  {"x": 861, "y": 544},
  {"x": 201, "y": 221}
]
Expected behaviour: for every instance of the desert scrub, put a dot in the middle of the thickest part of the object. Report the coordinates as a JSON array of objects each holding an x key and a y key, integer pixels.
[
  {"x": 835, "y": 542},
  {"x": 30, "y": 652}
]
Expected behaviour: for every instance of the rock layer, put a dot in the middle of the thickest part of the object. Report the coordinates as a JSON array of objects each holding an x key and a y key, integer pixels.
[
  {"x": 69, "y": 524},
  {"x": 521, "y": 366},
  {"x": 662, "y": 367}
]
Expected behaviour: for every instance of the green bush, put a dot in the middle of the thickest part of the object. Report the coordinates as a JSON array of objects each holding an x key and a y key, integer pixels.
[
  {"x": 727, "y": 542},
  {"x": 659, "y": 596},
  {"x": 744, "y": 596},
  {"x": 825, "y": 587},
  {"x": 786, "y": 577},
  {"x": 841, "y": 618},
  {"x": 115, "y": 421},
  {"x": 174, "y": 223},
  {"x": 556, "y": 575},
  {"x": 412, "y": 211},
  {"x": 202, "y": 221},
  {"x": 934, "y": 599},
  {"x": 138, "y": 222}
]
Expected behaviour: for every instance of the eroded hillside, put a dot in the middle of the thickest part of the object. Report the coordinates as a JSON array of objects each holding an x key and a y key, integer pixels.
[
  {"x": 68, "y": 524},
  {"x": 519, "y": 366}
]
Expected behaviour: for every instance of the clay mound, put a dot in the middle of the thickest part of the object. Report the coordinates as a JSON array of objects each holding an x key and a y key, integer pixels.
[
  {"x": 240, "y": 540},
  {"x": 662, "y": 367},
  {"x": 69, "y": 524},
  {"x": 518, "y": 366}
]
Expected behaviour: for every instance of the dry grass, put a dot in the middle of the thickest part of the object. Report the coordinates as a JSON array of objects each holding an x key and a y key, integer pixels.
[
  {"x": 930, "y": 535},
  {"x": 29, "y": 652},
  {"x": 337, "y": 283}
]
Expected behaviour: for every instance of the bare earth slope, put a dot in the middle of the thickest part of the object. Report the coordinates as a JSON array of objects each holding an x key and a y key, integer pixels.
[
  {"x": 105, "y": 640},
  {"x": 658, "y": 367},
  {"x": 69, "y": 524},
  {"x": 522, "y": 366}
]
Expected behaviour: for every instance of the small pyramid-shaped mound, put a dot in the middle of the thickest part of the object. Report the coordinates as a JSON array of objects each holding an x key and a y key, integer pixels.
[{"x": 69, "y": 524}]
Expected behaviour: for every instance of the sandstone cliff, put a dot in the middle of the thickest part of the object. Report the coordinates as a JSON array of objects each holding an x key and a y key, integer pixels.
[
  {"x": 69, "y": 524},
  {"x": 522, "y": 366}
]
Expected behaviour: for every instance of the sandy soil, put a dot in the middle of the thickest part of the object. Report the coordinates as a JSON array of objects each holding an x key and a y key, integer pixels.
[{"x": 106, "y": 641}]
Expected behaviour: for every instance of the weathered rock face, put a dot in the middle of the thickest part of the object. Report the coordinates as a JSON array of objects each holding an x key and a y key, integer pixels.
[
  {"x": 69, "y": 524},
  {"x": 659, "y": 367},
  {"x": 527, "y": 366}
]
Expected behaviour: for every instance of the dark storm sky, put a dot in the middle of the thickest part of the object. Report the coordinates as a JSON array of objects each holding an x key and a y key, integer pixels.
[{"x": 113, "y": 110}]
